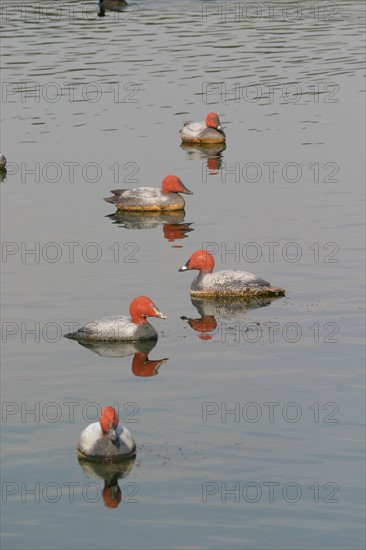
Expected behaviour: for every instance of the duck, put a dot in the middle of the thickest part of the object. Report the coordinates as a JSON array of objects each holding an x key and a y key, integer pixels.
[
  {"x": 150, "y": 199},
  {"x": 228, "y": 283},
  {"x": 107, "y": 439},
  {"x": 209, "y": 131},
  {"x": 122, "y": 328},
  {"x": 2, "y": 161}
]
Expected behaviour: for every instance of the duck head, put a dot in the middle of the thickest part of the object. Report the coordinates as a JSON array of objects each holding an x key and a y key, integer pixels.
[
  {"x": 173, "y": 184},
  {"x": 109, "y": 422},
  {"x": 213, "y": 121},
  {"x": 201, "y": 260},
  {"x": 143, "y": 307}
]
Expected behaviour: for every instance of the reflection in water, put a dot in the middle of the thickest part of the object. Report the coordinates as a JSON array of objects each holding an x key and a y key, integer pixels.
[
  {"x": 111, "y": 5},
  {"x": 2, "y": 174},
  {"x": 210, "y": 151},
  {"x": 224, "y": 308},
  {"x": 170, "y": 55},
  {"x": 172, "y": 222},
  {"x": 203, "y": 325},
  {"x": 119, "y": 348},
  {"x": 110, "y": 473},
  {"x": 141, "y": 364}
]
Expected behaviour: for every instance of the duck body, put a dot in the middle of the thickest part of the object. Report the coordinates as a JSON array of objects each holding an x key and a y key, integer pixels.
[
  {"x": 115, "y": 328},
  {"x": 106, "y": 440},
  {"x": 228, "y": 283},
  {"x": 227, "y": 280},
  {"x": 209, "y": 131},
  {"x": 122, "y": 328},
  {"x": 150, "y": 199},
  {"x": 2, "y": 161}
]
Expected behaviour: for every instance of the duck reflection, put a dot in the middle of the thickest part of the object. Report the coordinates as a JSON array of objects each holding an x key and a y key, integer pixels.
[
  {"x": 173, "y": 227},
  {"x": 109, "y": 473},
  {"x": 141, "y": 364},
  {"x": 210, "y": 151},
  {"x": 111, "y": 5},
  {"x": 2, "y": 174},
  {"x": 204, "y": 325},
  {"x": 224, "y": 308}
]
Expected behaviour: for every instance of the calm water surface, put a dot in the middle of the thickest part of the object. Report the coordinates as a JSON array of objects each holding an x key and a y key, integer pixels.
[{"x": 92, "y": 104}]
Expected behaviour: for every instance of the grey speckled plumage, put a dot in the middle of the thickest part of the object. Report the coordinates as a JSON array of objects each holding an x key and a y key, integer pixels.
[
  {"x": 114, "y": 328},
  {"x": 222, "y": 280},
  {"x": 145, "y": 199},
  {"x": 232, "y": 283}
]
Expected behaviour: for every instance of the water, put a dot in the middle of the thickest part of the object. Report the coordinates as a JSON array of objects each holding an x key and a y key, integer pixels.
[{"x": 100, "y": 108}]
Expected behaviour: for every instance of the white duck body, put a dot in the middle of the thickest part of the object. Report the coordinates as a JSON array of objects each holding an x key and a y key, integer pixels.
[
  {"x": 198, "y": 132},
  {"x": 94, "y": 445}
]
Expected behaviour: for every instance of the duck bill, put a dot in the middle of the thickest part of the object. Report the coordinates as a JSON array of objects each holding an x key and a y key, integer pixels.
[
  {"x": 219, "y": 127},
  {"x": 112, "y": 434},
  {"x": 158, "y": 313},
  {"x": 184, "y": 267},
  {"x": 185, "y": 190}
]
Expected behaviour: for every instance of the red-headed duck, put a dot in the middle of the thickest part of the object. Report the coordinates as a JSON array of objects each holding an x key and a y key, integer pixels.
[
  {"x": 106, "y": 439},
  {"x": 225, "y": 283},
  {"x": 209, "y": 131},
  {"x": 123, "y": 328},
  {"x": 148, "y": 199}
]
